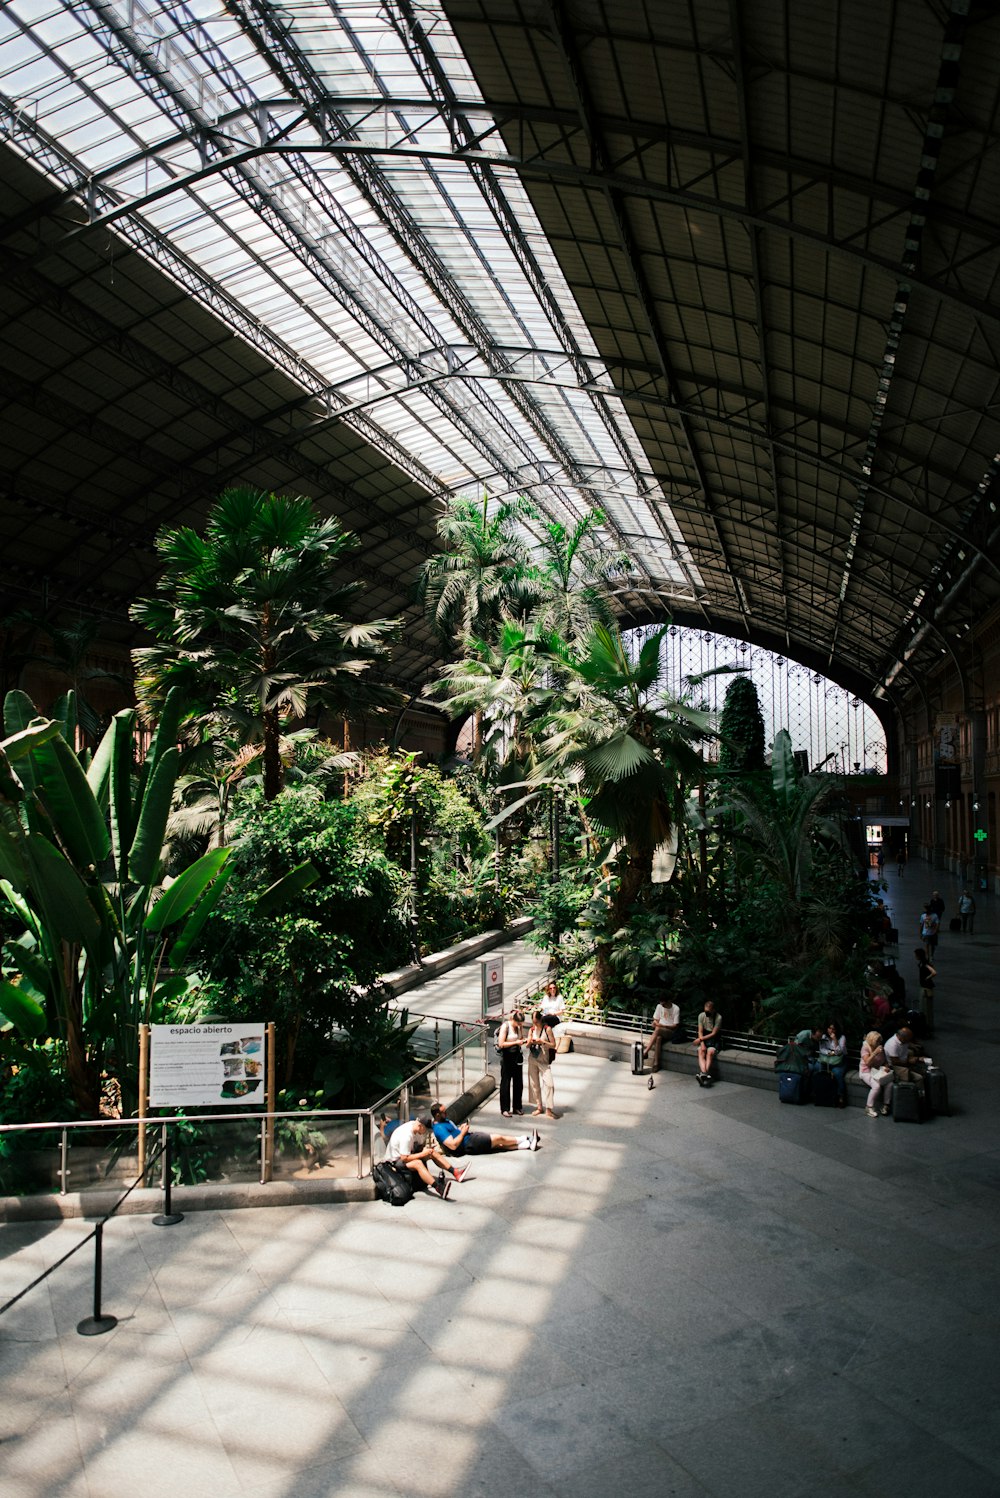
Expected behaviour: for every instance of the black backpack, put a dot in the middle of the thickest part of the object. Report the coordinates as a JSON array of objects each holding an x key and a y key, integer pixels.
[{"x": 393, "y": 1183}]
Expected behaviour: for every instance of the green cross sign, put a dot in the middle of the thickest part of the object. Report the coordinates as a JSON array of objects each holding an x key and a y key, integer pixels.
[{"x": 979, "y": 835}]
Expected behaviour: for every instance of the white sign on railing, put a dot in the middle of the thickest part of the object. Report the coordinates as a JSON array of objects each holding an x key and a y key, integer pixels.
[
  {"x": 492, "y": 970},
  {"x": 197, "y": 1066}
]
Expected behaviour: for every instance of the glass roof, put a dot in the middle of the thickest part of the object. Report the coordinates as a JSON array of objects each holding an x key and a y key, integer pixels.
[{"x": 416, "y": 287}]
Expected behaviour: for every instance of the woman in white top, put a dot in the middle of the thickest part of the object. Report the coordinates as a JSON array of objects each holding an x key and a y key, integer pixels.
[
  {"x": 541, "y": 1049},
  {"x": 510, "y": 1038},
  {"x": 877, "y": 1074}
]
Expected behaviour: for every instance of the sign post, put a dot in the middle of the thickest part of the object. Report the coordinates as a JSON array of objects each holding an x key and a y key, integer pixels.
[
  {"x": 492, "y": 971},
  {"x": 207, "y": 1066}
]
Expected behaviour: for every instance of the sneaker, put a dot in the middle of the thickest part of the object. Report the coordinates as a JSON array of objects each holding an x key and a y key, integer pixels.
[
  {"x": 441, "y": 1187},
  {"x": 461, "y": 1171},
  {"x": 885, "y": 1110},
  {"x": 524, "y": 1144},
  {"x": 536, "y": 1139},
  {"x": 872, "y": 1114}
]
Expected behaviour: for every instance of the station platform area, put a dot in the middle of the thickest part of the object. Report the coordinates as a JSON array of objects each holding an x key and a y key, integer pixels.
[{"x": 685, "y": 1293}]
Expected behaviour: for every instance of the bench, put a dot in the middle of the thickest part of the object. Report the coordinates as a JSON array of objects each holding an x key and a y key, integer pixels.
[{"x": 734, "y": 1063}]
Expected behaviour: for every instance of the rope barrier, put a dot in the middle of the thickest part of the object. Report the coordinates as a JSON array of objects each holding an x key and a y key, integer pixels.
[{"x": 94, "y": 1233}]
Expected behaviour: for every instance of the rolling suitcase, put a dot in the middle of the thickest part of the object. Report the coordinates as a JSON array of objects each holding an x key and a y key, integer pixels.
[
  {"x": 906, "y": 1103},
  {"x": 824, "y": 1089},
  {"x": 637, "y": 1058},
  {"x": 792, "y": 1086},
  {"x": 937, "y": 1091}
]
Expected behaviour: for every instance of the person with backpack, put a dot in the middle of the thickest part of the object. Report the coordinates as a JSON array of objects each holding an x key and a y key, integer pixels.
[
  {"x": 412, "y": 1146},
  {"x": 509, "y": 1040},
  {"x": 967, "y": 911}
]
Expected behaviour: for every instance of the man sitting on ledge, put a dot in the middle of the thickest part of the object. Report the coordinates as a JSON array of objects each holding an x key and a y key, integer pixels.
[{"x": 666, "y": 1026}]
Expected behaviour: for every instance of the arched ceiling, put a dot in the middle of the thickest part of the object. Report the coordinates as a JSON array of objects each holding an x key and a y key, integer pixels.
[{"x": 727, "y": 270}]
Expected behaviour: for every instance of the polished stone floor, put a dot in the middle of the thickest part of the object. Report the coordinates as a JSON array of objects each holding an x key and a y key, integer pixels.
[{"x": 688, "y": 1293}]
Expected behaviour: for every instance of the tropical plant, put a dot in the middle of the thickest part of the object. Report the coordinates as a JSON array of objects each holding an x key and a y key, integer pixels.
[
  {"x": 781, "y": 823},
  {"x": 68, "y": 652},
  {"x": 249, "y": 620},
  {"x": 303, "y": 961},
  {"x": 507, "y": 685},
  {"x": 741, "y": 728},
  {"x": 484, "y": 573},
  {"x": 627, "y": 744},
  {"x": 574, "y": 575},
  {"x": 435, "y": 834},
  {"x": 80, "y": 869}
]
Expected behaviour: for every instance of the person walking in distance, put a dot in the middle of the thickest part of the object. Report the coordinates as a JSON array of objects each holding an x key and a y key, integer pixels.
[
  {"x": 967, "y": 910},
  {"x": 541, "y": 1049},
  {"x": 929, "y": 926},
  {"x": 510, "y": 1038}
]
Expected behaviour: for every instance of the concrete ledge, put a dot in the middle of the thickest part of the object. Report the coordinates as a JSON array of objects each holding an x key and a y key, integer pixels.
[
  {"x": 214, "y": 1196},
  {"x": 748, "y": 1068},
  {"x": 436, "y": 963}
]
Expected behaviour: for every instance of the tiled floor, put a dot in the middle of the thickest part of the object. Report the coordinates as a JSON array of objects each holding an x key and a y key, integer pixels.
[{"x": 683, "y": 1293}]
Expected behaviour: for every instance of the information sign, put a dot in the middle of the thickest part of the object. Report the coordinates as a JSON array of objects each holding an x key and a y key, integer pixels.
[
  {"x": 199, "y": 1066},
  {"x": 492, "y": 970}
]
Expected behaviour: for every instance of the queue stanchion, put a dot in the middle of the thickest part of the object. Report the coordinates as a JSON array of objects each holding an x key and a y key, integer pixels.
[
  {"x": 167, "y": 1218},
  {"x": 94, "y": 1326}
]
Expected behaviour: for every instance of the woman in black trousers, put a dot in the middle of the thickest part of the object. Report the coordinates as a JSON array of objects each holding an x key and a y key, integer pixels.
[{"x": 510, "y": 1037}]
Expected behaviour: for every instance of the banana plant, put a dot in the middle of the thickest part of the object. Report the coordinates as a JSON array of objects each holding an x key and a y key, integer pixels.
[{"x": 80, "y": 867}]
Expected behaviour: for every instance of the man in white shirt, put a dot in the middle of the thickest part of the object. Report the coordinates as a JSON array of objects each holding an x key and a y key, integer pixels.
[
  {"x": 666, "y": 1026},
  {"x": 412, "y": 1145},
  {"x": 903, "y": 1058}
]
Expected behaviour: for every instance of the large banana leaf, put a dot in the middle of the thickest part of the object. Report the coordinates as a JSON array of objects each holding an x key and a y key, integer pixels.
[
  {"x": 196, "y": 920},
  {"x": 175, "y": 902},
  {"x": 13, "y": 866},
  {"x": 67, "y": 797},
  {"x": 144, "y": 854},
  {"x": 120, "y": 790},
  {"x": 64, "y": 710},
  {"x": 24, "y": 1012},
  {"x": 99, "y": 769},
  {"x": 32, "y": 965},
  {"x": 286, "y": 888},
  {"x": 164, "y": 739},
  {"x": 18, "y": 713},
  {"x": 62, "y": 897}
]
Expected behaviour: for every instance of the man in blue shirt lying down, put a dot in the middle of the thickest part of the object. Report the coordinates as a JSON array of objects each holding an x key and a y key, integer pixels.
[{"x": 459, "y": 1139}]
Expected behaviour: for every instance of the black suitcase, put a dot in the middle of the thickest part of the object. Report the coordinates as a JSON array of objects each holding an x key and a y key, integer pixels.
[
  {"x": 955, "y": 924},
  {"x": 906, "y": 1103},
  {"x": 936, "y": 1083},
  {"x": 793, "y": 1086},
  {"x": 637, "y": 1058},
  {"x": 824, "y": 1089}
]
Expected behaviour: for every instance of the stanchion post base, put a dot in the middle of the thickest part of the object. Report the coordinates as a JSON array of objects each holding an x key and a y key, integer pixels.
[
  {"x": 93, "y": 1326},
  {"x": 167, "y": 1219}
]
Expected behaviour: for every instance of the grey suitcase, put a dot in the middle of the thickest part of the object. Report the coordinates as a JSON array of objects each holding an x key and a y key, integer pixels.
[
  {"x": 906, "y": 1103},
  {"x": 637, "y": 1058},
  {"x": 937, "y": 1091}
]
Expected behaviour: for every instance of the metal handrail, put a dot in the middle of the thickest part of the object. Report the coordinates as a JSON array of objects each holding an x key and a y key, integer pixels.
[{"x": 363, "y": 1116}]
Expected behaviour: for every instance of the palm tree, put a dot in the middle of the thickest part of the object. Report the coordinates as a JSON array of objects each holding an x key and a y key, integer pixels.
[
  {"x": 629, "y": 746},
  {"x": 574, "y": 577},
  {"x": 249, "y": 619},
  {"x": 506, "y": 685},
  {"x": 484, "y": 575},
  {"x": 781, "y": 822}
]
